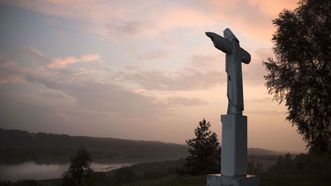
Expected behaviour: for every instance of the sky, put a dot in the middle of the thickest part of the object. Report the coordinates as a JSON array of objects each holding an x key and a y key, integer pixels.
[{"x": 136, "y": 69}]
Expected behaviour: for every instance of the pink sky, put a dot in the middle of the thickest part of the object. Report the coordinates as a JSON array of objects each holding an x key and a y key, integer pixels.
[{"x": 135, "y": 69}]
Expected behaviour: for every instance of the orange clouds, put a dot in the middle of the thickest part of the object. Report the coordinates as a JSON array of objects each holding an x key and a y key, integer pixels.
[
  {"x": 184, "y": 17},
  {"x": 115, "y": 20},
  {"x": 9, "y": 71},
  {"x": 89, "y": 57},
  {"x": 63, "y": 62},
  {"x": 252, "y": 17},
  {"x": 11, "y": 79},
  {"x": 272, "y": 8}
]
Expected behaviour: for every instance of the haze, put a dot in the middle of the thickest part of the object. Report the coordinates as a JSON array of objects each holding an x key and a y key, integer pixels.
[{"x": 135, "y": 69}]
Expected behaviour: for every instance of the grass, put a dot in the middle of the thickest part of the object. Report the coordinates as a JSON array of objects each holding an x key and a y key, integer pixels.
[
  {"x": 300, "y": 170},
  {"x": 294, "y": 180},
  {"x": 172, "y": 180}
]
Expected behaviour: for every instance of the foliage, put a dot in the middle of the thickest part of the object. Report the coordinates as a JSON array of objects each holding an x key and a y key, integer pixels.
[
  {"x": 204, "y": 151},
  {"x": 146, "y": 171},
  {"x": 302, "y": 163},
  {"x": 79, "y": 170},
  {"x": 254, "y": 167},
  {"x": 301, "y": 169},
  {"x": 301, "y": 73}
]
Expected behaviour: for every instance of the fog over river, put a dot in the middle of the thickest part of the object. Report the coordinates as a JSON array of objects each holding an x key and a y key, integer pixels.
[{"x": 31, "y": 170}]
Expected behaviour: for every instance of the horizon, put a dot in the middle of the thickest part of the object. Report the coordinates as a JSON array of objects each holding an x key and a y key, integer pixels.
[
  {"x": 138, "y": 71},
  {"x": 165, "y": 142}
]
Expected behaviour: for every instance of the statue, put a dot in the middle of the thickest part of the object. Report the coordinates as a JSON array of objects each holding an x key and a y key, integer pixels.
[
  {"x": 234, "y": 123},
  {"x": 229, "y": 44}
]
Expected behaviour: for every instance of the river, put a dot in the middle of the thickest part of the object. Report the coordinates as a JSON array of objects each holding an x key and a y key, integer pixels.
[{"x": 31, "y": 170}]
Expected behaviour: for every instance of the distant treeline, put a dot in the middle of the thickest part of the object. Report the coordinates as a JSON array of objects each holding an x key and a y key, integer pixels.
[{"x": 17, "y": 146}]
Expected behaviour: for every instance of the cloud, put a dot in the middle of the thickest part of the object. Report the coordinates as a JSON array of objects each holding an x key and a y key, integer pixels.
[
  {"x": 125, "y": 29},
  {"x": 184, "y": 79},
  {"x": 119, "y": 19},
  {"x": 34, "y": 56},
  {"x": 202, "y": 73},
  {"x": 84, "y": 87},
  {"x": 253, "y": 17},
  {"x": 272, "y": 8},
  {"x": 186, "y": 102},
  {"x": 253, "y": 72},
  {"x": 183, "y": 17},
  {"x": 27, "y": 57},
  {"x": 158, "y": 20},
  {"x": 63, "y": 8},
  {"x": 10, "y": 73},
  {"x": 90, "y": 57},
  {"x": 155, "y": 54},
  {"x": 103, "y": 97},
  {"x": 75, "y": 100},
  {"x": 63, "y": 62}
]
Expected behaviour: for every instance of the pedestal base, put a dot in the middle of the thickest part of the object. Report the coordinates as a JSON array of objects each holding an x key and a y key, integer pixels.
[
  {"x": 220, "y": 180},
  {"x": 234, "y": 145}
]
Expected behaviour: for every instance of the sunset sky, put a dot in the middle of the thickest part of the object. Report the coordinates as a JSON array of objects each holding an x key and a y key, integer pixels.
[{"x": 135, "y": 69}]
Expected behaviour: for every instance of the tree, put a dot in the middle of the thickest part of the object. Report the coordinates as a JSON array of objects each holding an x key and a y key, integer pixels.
[
  {"x": 204, "y": 151},
  {"x": 301, "y": 73},
  {"x": 79, "y": 170}
]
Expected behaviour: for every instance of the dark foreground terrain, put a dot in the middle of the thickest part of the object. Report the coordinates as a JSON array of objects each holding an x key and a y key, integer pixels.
[{"x": 288, "y": 170}]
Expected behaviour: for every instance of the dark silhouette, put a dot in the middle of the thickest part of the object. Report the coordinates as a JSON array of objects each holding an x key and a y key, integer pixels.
[
  {"x": 302, "y": 169},
  {"x": 204, "y": 151},
  {"x": 229, "y": 44},
  {"x": 301, "y": 73},
  {"x": 20, "y": 183},
  {"x": 79, "y": 170},
  {"x": 17, "y": 146}
]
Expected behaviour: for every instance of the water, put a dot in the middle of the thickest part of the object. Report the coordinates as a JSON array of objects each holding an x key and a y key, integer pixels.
[{"x": 31, "y": 170}]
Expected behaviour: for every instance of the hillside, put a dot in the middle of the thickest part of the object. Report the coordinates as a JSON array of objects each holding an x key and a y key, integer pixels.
[
  {"x": 17, "y": 146},
  {"x": 259, "y": 151}
]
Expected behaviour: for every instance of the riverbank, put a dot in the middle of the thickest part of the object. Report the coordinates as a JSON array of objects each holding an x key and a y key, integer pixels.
[{"x": 33, "y": 171}]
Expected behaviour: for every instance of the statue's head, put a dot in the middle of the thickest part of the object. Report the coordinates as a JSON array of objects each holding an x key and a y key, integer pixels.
[{"x": 229, "y": 35}]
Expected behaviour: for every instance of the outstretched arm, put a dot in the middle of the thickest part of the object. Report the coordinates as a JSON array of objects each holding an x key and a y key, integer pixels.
[
  {"x": 225, "y": 45},
  {"x": 245, "y": 56},
  {"x": 220, "y": 42}
]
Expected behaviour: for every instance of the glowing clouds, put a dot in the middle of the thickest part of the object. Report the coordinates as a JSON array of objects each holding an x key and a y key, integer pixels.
[{"x": 63, "y": 62}]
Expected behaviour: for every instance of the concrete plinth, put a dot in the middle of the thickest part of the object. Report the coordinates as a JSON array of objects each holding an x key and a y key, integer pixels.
[
  {"x": 234, "y": 145},
  {"x": 220, "y": 180}
]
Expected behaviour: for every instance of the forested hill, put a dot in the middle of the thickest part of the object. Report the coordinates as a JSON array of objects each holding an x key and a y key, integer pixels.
[{"x": 17, "y": 146}]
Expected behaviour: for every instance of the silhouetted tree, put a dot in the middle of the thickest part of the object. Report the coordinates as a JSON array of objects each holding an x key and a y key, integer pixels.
[
  {"x": 204, "y": 151},
  {"x": 301, "y": 73},
  {"x": 79, "y": 170}
]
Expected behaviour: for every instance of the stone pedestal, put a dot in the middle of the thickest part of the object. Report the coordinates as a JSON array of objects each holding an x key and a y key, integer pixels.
[
  {"x": 234, "y": 145},
  {"x": 234, "y": 154},
  {"x": 221, "y": 180}
]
